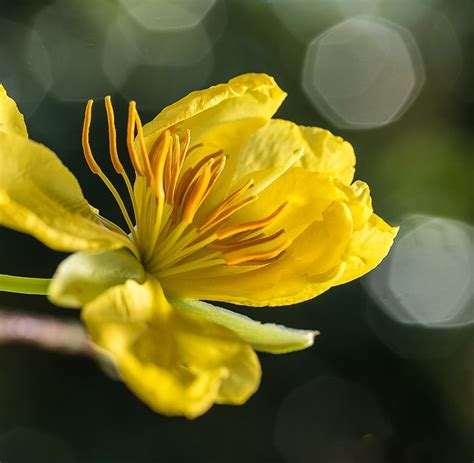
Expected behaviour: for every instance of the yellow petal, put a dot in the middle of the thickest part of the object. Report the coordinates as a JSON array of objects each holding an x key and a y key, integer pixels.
[
  {"x": 311, "y": 265},
  {"x": 307, "y": 194},
  {"x": 274, "y": 143},
  {"x": 329, "y": 153},
  {"x": 40, "y": 196},
  {"x": 11, "y": 120},
  {"x": 221, "y": 118},
  {"x": 177, "y": 364},
  {"x": 82, "y": 277},
  {"x": 371, "y": 239},
  {"x": 249, "y": 96}
]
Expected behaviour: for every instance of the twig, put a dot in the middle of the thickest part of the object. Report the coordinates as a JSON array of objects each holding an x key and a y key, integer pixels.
[{"x": 43, "y": 331}]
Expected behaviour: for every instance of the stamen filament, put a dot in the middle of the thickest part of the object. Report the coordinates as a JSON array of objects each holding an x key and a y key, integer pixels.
[
  {"x": 253, "y": 225},
  {"x": 178, "y": 256},
  {"x": 113, "y": 136},
  {"x": 185, "y": 146},
  {"x": 171, "y": 238},
  {"x": 97, "y": 170},
  {"x": 176, "y": 168},
  {"x": 119, "y": 201},
  {"x": 112, "y": 226},
  {"x": 197, "y": 194},
  {"x": 257, "y": 257},
  {"x": 217, "y": 171},
  {"x": 217, "y": 211},
  {"x": 210, "y": 260},
  {"x": 130, "y": 140},
  {"x": 226, "y": 213},
  {"x": 236, "y": 246},
  {"x": 194, "y": 147},
  {"x": 114, "y": 156},
  {"x": 93, "y": 166},
  {"x": 143, "y": 150}
]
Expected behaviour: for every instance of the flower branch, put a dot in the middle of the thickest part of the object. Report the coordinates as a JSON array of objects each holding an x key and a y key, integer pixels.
[{"x": 19, "y": 327}]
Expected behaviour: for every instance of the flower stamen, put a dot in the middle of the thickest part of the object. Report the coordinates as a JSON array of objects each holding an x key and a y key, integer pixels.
[
  {"x": 158, "y": 155},
  {"x": 169, "y": 200},
  {"x": 210, "y": 220},
  {"x": 130, "y": 140},
  {"x": 237, "y": 245},
  {"x": 141, "y": 144},
  {"x": 114, "y": 156},
  {"x": 95, "y": 168},
  {"x": 256, "y": 258},
  {"x": 197, "y": 193},
  {"x": 253, "y": 225}
]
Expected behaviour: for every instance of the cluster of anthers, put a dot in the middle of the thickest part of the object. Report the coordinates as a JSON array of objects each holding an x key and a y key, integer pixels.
[{"x": 172, "y": 235}]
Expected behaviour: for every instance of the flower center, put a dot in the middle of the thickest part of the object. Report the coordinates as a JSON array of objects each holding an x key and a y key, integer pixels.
[{"x": 176, "y": 230}]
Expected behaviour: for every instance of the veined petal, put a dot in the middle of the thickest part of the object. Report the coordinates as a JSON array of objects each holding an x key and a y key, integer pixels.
[
  {"x": 179, "y": 364},
  {"x": 367, "y": 247},
  {"x": 306, "y": 194},
  {"x": 40, "y": 196},
  {"x": 222, "y": 117},
  {"x": 371, "y": 239},
  {"x": 328, "y": 153},
  {"x": 11, "y": 120},
  {"x": 263, "y": 337},
  {"x": 310, "y": 266},
  {"x": 82, "y": 277},
  {"x": 249, "y": 96},
  {"x": 273, "y": 144}
]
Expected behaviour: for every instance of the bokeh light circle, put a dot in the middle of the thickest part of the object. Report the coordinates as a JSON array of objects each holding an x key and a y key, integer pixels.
[
  {"x": 427, "y": 279},
  {"x": 25, "y": 71},
  {"x": 73, "y": 31},
  {"x": 363, "y": 72},
  {"x": 168, "y": 15},
  {"x": 154, "y": 75},
  {"x": 438, "y": 39}
]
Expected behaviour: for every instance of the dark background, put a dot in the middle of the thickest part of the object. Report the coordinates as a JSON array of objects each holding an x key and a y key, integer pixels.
[{"x": 391, "y": 377}]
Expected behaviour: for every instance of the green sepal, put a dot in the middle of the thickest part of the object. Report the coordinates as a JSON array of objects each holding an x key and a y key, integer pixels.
[
  {"x": 263, "y": 337},
  {"x": 82, "y": 277}
]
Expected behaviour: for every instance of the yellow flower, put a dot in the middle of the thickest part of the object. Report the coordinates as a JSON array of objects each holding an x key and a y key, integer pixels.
[{"x": 227, "y": 205}]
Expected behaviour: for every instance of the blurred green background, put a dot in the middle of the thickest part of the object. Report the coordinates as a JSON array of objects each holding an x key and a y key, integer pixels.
[{"x": 391, "y": 377}]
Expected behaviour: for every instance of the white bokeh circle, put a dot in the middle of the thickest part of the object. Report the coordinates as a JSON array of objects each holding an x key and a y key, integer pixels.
[
  {"x": 168, "y": 15},
  {"x": 363, "y": 72},
  {"x": 428, "y": 277},
  {"x": 25, "y": 71}
]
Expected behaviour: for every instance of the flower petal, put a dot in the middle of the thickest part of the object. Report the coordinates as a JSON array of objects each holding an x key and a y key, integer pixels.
[
  {"x": 274, "y": 143},
  {"x": 179, "y": 364},
  {"x": 335, "y": 237},
  {"x": 329, "y": 153},
  {"x": 82, "y": 277},
  {"x": 222, "y": 117},
  {"x": 249, "y": 96},
  {"x": 310, "y": 266},
  {"x": 306, "y": 194},
  {"x": 263, "y": 337},
  {"x": 40, "y": 196},
  {"x": 371, "y": 239},
  {"x": 11, "y": 120}
]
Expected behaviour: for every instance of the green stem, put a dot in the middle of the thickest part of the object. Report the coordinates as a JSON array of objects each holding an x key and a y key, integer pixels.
[{"x": 24, "y": 285}]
